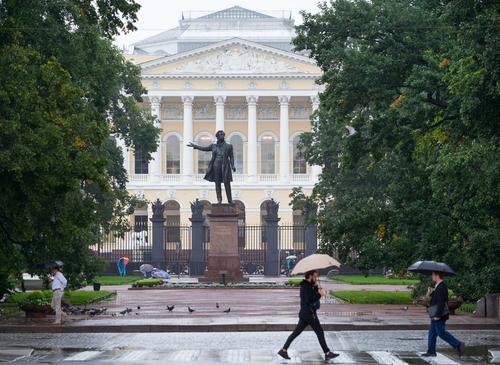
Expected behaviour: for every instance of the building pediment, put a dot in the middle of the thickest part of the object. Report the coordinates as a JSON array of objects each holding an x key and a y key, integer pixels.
[{"x": 234, "y": 57}]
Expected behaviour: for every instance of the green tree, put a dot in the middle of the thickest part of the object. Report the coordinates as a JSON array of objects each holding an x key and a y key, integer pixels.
[
  {"x": 65, "y": 94},
  {"x": 418, "y": 80}
]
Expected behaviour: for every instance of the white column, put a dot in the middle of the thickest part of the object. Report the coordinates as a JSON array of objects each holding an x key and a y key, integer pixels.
[
  {"x": 187, "y": 155},
  {"x": 219, "y": 112},
  {"x": 316, "y": 169},
  {"x": 155, "y": 163},
  {"x": 284, "y": 143},
  {"x": 252, "y": 138}
]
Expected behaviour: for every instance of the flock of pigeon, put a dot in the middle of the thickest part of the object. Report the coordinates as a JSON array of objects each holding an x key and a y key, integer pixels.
[{"x": 103, "y": 310}]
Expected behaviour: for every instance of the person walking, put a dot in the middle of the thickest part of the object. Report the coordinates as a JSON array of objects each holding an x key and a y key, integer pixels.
[
  {"x": 439, "y": 314},
  {"x": 310, "y": 294},
  {"x": 58, "y": 282}
]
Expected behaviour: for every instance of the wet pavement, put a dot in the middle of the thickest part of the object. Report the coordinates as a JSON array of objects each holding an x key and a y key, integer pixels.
[{"x": 374, "y": 347}]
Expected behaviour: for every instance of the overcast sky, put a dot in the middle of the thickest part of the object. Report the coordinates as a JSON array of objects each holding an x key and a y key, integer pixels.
[{"x": 156, "y": 16}]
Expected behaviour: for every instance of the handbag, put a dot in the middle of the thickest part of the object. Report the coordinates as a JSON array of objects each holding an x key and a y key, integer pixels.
[{"x": 432, "y": 310}]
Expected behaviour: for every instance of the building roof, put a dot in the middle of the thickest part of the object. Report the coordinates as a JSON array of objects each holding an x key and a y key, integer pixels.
[{"x": 236, "y": 12}]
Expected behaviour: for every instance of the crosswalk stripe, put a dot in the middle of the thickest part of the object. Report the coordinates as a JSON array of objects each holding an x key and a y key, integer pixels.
[
  {"x": 440, "y": 359},
  {"x": 184, "y": 355},
  {"x": 235, "y": 355},
  {"x": 133, "y": 355},
  {"x": 495, "y": 356},
  {"x": 83, "y": 356},
  {"x": 343, "y": 358},
  {"x": 386, "y": 358}
]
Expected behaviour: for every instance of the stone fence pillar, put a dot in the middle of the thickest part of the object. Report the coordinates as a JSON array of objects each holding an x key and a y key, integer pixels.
[
  {"x": 311, "y": 238},
  {"x": 158, "y": 247},
  {"x": 197, "y": 262},
  {"x": 272, "y": 267}
]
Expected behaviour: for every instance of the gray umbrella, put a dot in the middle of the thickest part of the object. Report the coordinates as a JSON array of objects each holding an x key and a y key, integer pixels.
[
  {"x": 50, "y": 264},
  {"x": 428, "y": 267}
]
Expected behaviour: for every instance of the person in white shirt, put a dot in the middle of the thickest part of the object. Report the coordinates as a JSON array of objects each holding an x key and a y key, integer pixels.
[{"x": 59, "y": 282}]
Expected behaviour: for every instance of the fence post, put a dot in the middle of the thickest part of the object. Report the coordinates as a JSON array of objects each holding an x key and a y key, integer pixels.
[
  {"x": 197, "y": 262},
  {"x": 311, "y": 238},
  {"x": 158, "y": 247},
  {"x": 272, "y": 267}
]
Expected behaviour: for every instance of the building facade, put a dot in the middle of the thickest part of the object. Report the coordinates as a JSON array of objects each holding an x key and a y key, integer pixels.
[{"x": 231, "y": 70}]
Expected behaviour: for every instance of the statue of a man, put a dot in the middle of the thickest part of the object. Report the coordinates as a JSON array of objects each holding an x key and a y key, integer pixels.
[{"x": 220, "y": 166}]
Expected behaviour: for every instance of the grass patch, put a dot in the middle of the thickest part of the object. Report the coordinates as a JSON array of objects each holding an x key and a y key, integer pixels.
[
  {"x": 467, "y": 308},
  {"x": 372, "y": 280},
  {"x": 9, "y": 310},
  {"x": 373, "y": 297},
  {"x": 115, "y": 280},
  {"x": 151, "y": 282},
  {"x": 295, "y": 281},
  {"x": 78, "y": 297}
]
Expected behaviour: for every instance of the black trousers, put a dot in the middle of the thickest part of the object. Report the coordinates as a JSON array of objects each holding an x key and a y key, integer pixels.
[
  {"x": 218, "y": 191},
  {"x": 301, "y": 326}
]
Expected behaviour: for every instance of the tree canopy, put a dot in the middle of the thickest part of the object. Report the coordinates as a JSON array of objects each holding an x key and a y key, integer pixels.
[
  {"x": 419, "y": 82},
  {"x": 66, "y": 93}
]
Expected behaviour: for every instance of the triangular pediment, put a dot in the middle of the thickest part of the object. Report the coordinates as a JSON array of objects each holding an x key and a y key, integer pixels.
[{"x": 233, "y": 57}]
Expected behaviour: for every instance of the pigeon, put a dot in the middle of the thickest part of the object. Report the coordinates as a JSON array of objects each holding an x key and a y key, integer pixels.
[
  {"x": 216, "y": 305},
  {"x": 351, "y": 130},
  {"x": 227, "y": 310},
  {"x": 123, "y": 312},
  {"x": 190, "y": 310},
  {"x": 128, "y": 310},
  {"x": 138, "y": 307},
  {"x": 136, "y": 313},
  {"x": 405, "y": 308},
  {"x": 170, "y": 308}
]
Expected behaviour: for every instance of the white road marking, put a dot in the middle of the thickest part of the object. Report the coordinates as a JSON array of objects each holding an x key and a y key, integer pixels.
[
  {"x": 133, "y": 355},
  {"x": 235, "y": 355},
  {"x": 83, "y": 356},
  {"x": 386, "y": 358},
  {"x": 184, "y": 355},
  {"x": 495, "y": 356},
  {"x": 343, "y": 358},
  {"x": 440, "y": 359}
]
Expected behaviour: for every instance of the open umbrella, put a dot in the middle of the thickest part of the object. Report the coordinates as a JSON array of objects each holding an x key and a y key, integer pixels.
[
  {"x": 428, "y": 267},
  {"x": 49, "y": 264},
  {"x": 291, "y": 257},
  {"x": 314, "y": 262}
]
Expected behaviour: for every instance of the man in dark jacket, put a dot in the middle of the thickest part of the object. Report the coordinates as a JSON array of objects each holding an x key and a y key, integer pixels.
[
  {"x": 310, "y": 295},
  {"x": 439, "y": 313}
]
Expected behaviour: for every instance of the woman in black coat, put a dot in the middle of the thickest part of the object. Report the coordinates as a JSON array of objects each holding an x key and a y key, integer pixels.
[{"x": 310, "y": 295}]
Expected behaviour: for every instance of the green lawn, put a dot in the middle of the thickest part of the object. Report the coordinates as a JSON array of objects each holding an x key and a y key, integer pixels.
[
  {"x": 78, "y": 297},
  {"x": 372, "y": 280},
  {"x": 150, "y": 282},
  {"x": 116, "y": 280},
  {"x": 373, "y": 297}
]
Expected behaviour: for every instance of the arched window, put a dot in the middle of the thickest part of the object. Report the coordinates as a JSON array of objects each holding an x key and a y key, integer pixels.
[
  {"x": 237, "y": 143},
  {"x": 203, "y": 157},
  {"x": 299, "y": 162},
  {"x": 173, "y": 155},
  {"x": 267, "y": 155},
  {"x": 140, "y": 161}
]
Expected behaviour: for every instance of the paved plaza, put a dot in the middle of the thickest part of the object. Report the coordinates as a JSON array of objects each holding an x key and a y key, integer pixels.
[{"x": 374, "y": 347}]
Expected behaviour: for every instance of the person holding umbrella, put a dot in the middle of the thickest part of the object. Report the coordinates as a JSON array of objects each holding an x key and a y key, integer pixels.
[
  {"x": 310, "y": 295},
  {"x": 438, "y": 306}
]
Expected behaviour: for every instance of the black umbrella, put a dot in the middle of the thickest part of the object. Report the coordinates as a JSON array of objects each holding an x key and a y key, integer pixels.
[
  {"x": 50, "y": 264},
  {"x": 428, "y": 267}
]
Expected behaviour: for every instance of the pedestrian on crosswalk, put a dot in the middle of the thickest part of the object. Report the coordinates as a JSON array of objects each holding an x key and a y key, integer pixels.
[
  {"x": 310, "y": 295},
  {"x": 58, "y": 283},
  {"x": 439, "y": 314}
]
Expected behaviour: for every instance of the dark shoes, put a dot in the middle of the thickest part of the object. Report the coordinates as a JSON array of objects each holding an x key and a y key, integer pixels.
[
  {"x": 330, "y": 355},
  {"x": 429, "y": 354},
  {"x": 461, "y": 349},
  {"x": 284, "y": 354}
]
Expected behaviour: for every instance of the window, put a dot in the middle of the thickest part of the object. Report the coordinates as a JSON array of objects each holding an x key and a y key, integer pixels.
[
  {"x": 237, "y": 143},
  {"x": 299, "y": 162},
  {"x": 203, "y": 157},
  {"x": 173, "y": 155},
  {"x": 268, "y": 155},
  {"x": 140, "y": 223},
  {"x": 141, "y": 163}
]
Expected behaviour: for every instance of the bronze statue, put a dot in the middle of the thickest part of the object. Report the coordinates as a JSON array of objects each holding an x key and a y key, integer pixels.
[{"x": 220, "y": 166}]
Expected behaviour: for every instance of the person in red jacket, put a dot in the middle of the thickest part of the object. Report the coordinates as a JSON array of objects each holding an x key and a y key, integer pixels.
[{"x": 310, "y": 294}]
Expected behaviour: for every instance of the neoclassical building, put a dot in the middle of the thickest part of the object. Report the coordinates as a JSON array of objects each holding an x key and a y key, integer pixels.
[{"x": 233, "y": 70}]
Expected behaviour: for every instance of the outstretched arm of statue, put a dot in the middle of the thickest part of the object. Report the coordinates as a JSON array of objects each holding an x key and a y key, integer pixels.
[
  {"x": 231, "y": 159},
  {"x": 201, "y": 148}
]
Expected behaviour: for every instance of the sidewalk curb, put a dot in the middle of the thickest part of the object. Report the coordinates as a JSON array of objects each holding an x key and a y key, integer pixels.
[{"x": 229, "y": 328}]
